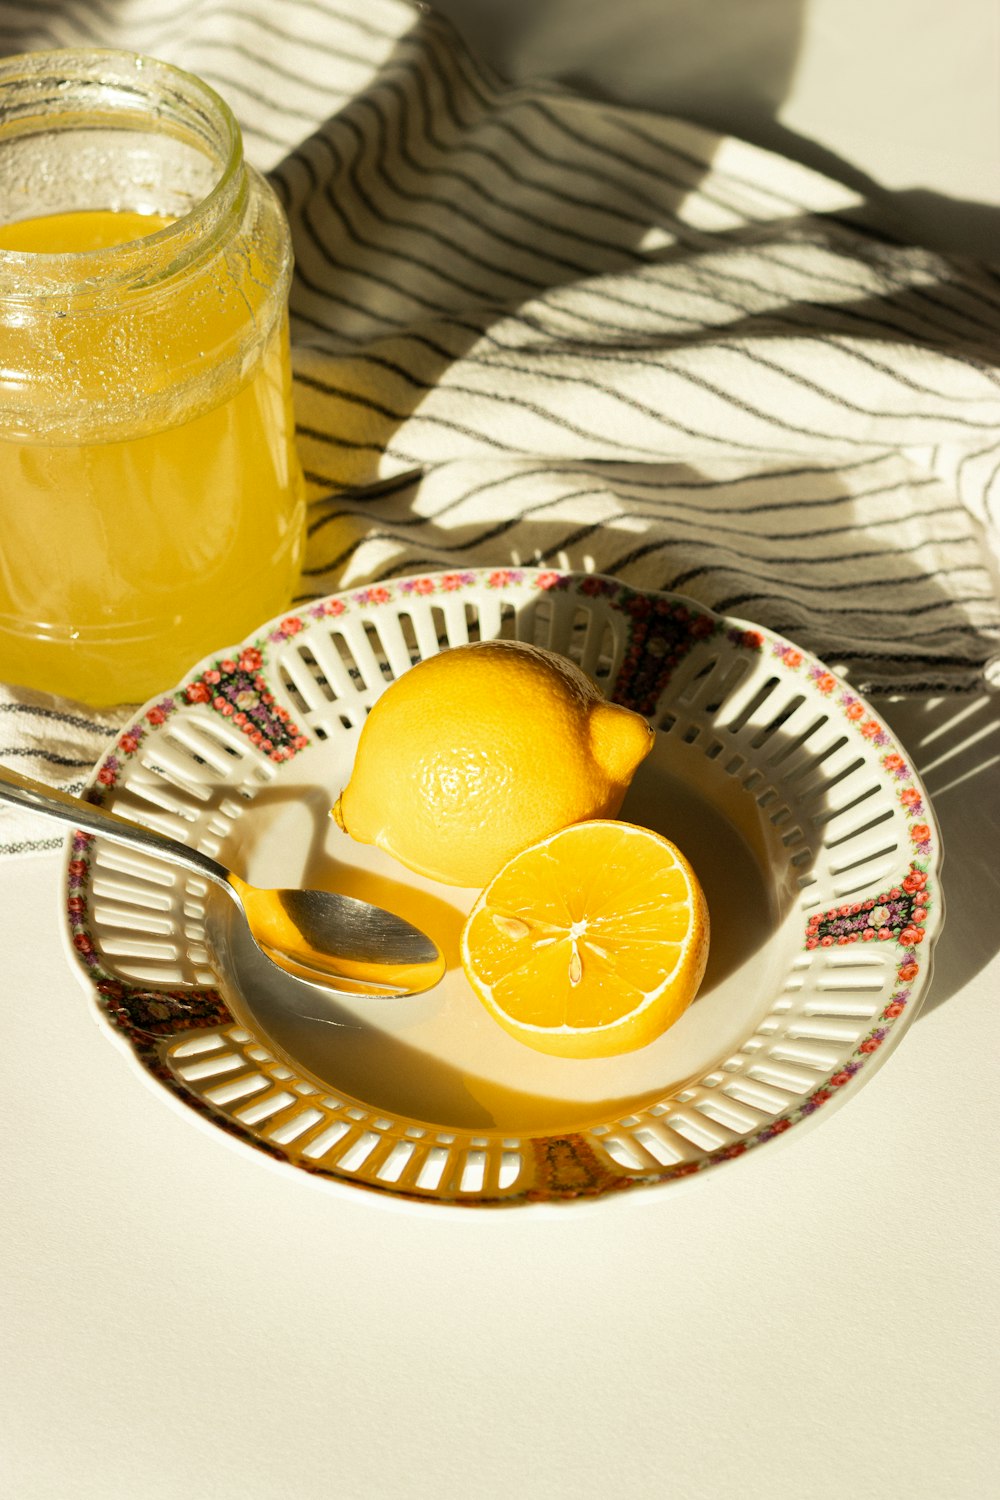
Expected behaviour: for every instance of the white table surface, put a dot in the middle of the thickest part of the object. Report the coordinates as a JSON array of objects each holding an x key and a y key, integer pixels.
[{"x": 181, "y": 1319}]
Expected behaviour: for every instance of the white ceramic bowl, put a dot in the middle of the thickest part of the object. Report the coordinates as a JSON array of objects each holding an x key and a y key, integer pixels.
[{"x": 810, "y": 833}]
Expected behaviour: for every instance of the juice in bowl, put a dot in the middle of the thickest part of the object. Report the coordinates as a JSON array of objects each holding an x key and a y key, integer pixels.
[{"x": 151, "y": 501}]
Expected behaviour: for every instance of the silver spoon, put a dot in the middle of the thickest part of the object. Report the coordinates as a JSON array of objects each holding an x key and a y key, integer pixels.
[{"x": 321, "y": 937}]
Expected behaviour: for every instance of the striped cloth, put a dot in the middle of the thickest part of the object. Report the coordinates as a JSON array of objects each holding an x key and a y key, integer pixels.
[{"x": 533, "y": 327}]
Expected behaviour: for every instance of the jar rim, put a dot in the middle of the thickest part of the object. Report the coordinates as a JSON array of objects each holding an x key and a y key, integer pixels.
[{"x": 30, "y": 274}]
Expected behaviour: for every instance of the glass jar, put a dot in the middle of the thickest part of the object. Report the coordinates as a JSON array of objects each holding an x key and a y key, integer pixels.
[{"x": 151, "y": 501}]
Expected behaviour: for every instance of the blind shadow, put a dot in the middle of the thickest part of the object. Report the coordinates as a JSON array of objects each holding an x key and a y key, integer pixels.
[
  {"x": 873, "y": 567},
  {"x": 730, "y": 66},
  {"x": 436, "y": 201}
]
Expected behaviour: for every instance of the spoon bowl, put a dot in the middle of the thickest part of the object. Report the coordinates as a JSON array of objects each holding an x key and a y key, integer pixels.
[{"x": 320, "y": 938}]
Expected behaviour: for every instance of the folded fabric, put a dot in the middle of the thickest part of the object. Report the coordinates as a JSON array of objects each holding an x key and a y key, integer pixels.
[{"x": 530, "y": 327}]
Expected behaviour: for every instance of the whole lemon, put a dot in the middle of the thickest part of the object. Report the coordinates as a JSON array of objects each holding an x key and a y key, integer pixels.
[{"x": 479, "y": 751}]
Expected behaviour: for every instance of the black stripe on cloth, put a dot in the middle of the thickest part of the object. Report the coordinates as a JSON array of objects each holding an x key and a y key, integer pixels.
[
  {"x": 607, "y": 472},
  {"x": 628, "y": 123},
  {"x": 335, "y": 202},
  {"x": 866, "y": 654},
  {"x": 337, "y": 440},
  {"x": 519, "y": 214},
  {"x": 698, "y": 538},
  {"x": 988, "y": 489},
  {"x": 905, "y": 616},
  {"x": 792, "y": 315},
  {"x": 753, "y": 322},
  {"x": 604, "y": 356},
  {"x": 661, "y": 476},
  {"x": 393, "y": 254},
  {"x": 573, "y": 537},
  {"x": 688, "y": 376},
  {"x": 753, "y": 354},
  {"x": 667, "y": 513},
  {"x": 621, "y": 489},
  {"x": 676, "y": 372},
  {"x": 33, "y": 710},
  {"x": 51, "y": 757},
  {"x": 694, "y": 188},
  {"x": 283, "y": 75},
  {"x": 903, "y": 290},
  {"x": 619, "y": 159},
  {"x": 505, "y": 400},
  {"x": 233, "y": 89},
  {"x": 32, "y": 846},
  {"x": 848, "y": 586},
  {"x": 413, "y": 227},
  {"x": 618, "y": 214},
  {"x": 110, "y": 14},
  {"x": 500, "y": 122},
  {"x": 840, "y": 399},
  {"x": 370, "y": 494}
]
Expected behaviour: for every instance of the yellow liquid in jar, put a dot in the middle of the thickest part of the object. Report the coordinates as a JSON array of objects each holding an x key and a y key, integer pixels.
[{"x": 123, "y": 562}]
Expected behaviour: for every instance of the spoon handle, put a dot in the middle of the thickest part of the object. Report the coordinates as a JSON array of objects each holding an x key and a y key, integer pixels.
[{"x": 50, "y": 802}]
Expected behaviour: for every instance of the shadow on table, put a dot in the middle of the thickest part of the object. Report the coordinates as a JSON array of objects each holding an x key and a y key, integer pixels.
[{"x": 954, "y": 743}]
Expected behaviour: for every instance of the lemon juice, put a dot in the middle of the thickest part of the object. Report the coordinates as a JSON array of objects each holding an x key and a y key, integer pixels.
[
  {"x": 123, "y": 559},
  {"x": 151, "y": 502}
]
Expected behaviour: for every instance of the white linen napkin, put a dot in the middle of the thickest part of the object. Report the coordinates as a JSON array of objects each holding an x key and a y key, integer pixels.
[{"x": 529, "y": 327}]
